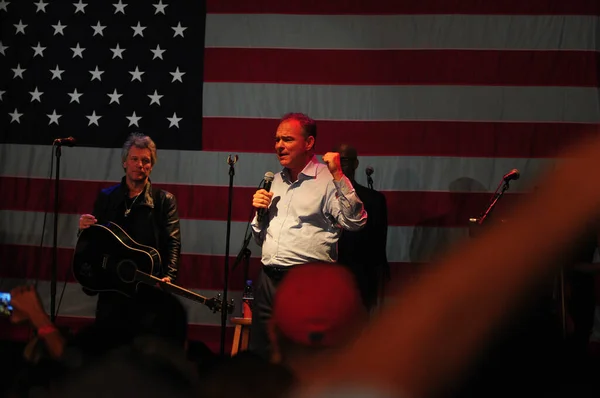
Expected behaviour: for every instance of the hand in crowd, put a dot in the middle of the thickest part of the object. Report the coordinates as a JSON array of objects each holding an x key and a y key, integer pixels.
[{"x": 26, "y": 303}]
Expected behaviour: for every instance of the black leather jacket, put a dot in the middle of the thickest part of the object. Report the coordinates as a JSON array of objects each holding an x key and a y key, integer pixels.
[{"x": 153, "y": 221}]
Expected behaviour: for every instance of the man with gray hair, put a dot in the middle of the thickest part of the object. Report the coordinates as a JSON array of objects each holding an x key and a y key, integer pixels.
[{"x": 149, "y": 215}]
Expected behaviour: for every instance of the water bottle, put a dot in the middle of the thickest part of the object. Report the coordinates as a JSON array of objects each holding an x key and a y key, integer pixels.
[{"x": 247, "y": 300}]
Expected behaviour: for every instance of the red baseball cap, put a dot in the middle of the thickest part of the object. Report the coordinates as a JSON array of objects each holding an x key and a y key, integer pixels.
[{"x": 317, "y": 304}]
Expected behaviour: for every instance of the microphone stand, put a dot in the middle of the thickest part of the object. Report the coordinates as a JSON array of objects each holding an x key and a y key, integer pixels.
[
  {"x": 231, "y": 160},
  {"x": 54, "y": 266},
  {"x": 370, "y": 181},
  {"x": 244, "y": 254}
]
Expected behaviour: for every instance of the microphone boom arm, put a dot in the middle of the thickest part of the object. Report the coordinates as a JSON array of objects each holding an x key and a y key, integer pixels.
[
  {"x": 494, "y": 201},
  {"x": 244, "y": 252}
]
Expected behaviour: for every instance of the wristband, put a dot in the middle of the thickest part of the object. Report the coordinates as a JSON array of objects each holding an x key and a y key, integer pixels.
[{"x": 46, "y": 330}]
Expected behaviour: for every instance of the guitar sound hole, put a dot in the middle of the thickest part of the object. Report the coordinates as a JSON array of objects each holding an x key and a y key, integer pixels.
[{"x": 126, "y": 270}]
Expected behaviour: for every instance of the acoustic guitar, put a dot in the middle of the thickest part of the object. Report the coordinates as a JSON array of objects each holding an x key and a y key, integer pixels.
[{"x": 106, "y": 258}]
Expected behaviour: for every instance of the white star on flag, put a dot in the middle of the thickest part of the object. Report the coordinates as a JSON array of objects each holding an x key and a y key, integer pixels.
[
  {"x": 133, "y": 120},
  {"x": 57, "y": 73},
  {"x": 117, "y": 52},
  {"x": 114, "y": 97},
  {"x": 157, "y": 52},
  {"x": 20, "y": 27},
  {"x": 155, "y": 98},
  {"x": 120, "y": 7},
  {"x": 93, "y": 119},
  {"x": 174, "y": 120},
  {"x": 77, "y": 51},
  {"x": 58, "y": 28},
  {"x": 18, "y": 71},
  {"x": 41, "y": 6},
  {"x": 98, "y": 29},
  {"x": 75, "y": 96},
  {"x": 36, "y": 95},
  {"x": 177, "y": 75},
  {"x": 80, "y": 7},
  {"x": 15, "y": 116},
  {"x": 53, "y": 117},
  {"x": 160, "y": 7},
  {"x": 38, "y": 50},
  {"x": 138, "y": 30},
  {"x": 96, "y": 74},
  {"x": 178, "y": 30},
  {"x": 136, "y": 74}
]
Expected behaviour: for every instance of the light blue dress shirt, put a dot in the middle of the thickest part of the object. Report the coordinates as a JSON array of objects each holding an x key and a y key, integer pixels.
[{"x": 306, "y": 217}]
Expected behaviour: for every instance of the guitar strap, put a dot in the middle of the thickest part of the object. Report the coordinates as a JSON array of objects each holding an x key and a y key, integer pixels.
[{"x": 156, "y": 212}]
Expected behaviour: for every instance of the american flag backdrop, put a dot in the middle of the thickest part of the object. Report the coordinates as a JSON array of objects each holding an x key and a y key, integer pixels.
[{"x": 441, "y": 98}]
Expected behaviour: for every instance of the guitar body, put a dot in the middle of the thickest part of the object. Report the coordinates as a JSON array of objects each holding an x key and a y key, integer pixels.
[{"x": 106, "y": 259}]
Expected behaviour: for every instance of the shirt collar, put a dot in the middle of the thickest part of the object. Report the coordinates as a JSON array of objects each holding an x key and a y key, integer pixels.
[{"x": 309, "y": 171}]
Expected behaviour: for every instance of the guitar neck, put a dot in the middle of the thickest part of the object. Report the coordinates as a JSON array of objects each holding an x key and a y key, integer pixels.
[{"x": 153, "y": 281}]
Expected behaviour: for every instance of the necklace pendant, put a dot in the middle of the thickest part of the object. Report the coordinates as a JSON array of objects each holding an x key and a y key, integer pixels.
[{"x": 127, "y": 211}]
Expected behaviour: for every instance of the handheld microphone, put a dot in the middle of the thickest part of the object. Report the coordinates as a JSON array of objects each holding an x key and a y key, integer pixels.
[
  {"x": 267, "y": 187},
  {"x": 68, "y": 141},
  {"x": 514, "y": 174}
]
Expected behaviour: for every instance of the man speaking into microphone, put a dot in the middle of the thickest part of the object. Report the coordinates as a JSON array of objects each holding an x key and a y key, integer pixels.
[{"x": 302, "y": 215}]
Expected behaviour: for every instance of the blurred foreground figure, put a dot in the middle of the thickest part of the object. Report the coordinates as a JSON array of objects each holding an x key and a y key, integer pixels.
[{"x": 468, "y": 294}]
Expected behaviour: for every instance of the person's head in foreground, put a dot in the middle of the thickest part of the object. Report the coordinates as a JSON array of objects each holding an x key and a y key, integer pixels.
[{"x": 317, "y": 310}]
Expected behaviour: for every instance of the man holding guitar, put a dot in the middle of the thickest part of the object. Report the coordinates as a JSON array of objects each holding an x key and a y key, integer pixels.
[{"x": 149, "y": 217}]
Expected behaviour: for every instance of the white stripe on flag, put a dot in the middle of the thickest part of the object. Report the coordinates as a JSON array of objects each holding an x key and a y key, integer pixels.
[
  {"x": 393, "y": 173},
  {"x": 451, "y": 103},
  {"x": 404, "y": 244},
  {"x": 521, "y": 32}
]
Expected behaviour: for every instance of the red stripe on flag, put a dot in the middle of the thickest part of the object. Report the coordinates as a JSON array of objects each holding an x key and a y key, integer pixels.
[
  {"x": 195, "y": 271},
  {"x": 405, "y": 138},
  {"x": 402, "y": 67},
  {"x": 405, "y": 208},
  {"x": 77, "y": 197},
  {"x": 340, "y": 7},
  {"x": 443, "y": 209},
  {"x": 208, "y": 334}
]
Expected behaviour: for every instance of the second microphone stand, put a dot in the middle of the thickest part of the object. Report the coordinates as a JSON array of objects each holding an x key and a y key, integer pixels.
[
  {"x": 497, "y": 195},
  {"x": 231, "y": 160},
  {"x": 54, "y": 267}
]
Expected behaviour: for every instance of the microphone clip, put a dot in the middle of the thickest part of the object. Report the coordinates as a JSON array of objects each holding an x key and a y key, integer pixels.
[
  {"x": 68, "y": 141},
  {"x": 232, "y": 159}
]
